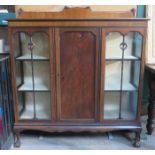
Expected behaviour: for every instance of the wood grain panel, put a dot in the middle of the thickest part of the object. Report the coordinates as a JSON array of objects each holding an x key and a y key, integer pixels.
[
  {"x": 77, "y": 74},
  {"x": 77, "y": 13},
  {"x": 58, "y": 8}
]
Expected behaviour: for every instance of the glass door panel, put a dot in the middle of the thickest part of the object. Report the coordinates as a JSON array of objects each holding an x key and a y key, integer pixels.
[
  {"x": 21, "y": 40},
  {"x": 112, "y": 75},
  {"x": 42, "y": 105},
  {"x": 41, "y": 76},
  {"x": 122, "y": 71},
  {"x": 113, "y": 41},
  {"x": 41, "y": 43},
  {"x": 25, "y": 105},
  {"x": 130, "y": 80},
  {"x": 25, "y": 75},
  {"x": 112, "y": 105},
  {"x": 31, "y": 52},
  {"x": 131, "y": 73},
  {"x": 133, "y": 41},
  {"x": 129, "y": 105}
]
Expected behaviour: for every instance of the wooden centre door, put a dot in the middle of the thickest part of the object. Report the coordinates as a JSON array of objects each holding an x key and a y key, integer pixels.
[{"x": 77, "y": 60}]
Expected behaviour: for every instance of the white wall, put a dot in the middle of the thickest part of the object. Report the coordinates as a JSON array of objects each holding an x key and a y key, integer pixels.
[{"x": 150, "y": 54}]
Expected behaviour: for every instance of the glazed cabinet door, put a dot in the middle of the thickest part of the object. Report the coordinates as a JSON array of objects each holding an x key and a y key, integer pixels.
[
  {"x": 32, "y": 63},
  {"x": 77, "y": 58},
  {"x": 122, "y": 73}
]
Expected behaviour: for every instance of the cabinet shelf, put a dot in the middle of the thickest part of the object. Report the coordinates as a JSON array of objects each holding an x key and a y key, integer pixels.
[
  {"x": 113, "y": 86},
  {"x": 125, "y": 58},
  {"x": 29, "y": 87},
  {"x": 35, "y": 58}
]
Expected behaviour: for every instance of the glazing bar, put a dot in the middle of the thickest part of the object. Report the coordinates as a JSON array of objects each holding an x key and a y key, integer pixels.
[
  {"x": 32, "y": 67},
  {"x": 123, "y": 46}
]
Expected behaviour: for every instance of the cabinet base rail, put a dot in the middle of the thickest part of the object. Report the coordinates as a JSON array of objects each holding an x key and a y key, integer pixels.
[{"x": 77, "y": 128}]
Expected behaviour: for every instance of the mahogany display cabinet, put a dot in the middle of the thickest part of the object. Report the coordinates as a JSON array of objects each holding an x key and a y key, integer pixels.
[{"x": 77, "y": 70}]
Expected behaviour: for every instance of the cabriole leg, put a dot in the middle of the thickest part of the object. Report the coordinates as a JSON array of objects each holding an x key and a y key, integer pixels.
[
  {"x": 17, "y": 139},
  {"x": 137, "y": 139}
]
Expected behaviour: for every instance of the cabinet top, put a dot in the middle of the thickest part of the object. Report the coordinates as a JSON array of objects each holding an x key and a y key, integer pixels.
[
  {"x": 72, "y": 19},
  {"x": 77, "y": 13},
  {"x": 113, "y": 22},
  {"x": 77, "y": 17}
]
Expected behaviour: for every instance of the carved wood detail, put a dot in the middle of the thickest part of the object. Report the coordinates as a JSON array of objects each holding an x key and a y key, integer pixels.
[{"x": 77, "y": 13}]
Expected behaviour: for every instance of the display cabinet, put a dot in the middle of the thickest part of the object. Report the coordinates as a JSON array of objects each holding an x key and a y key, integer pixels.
[{"x": 77, "y": 72}]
